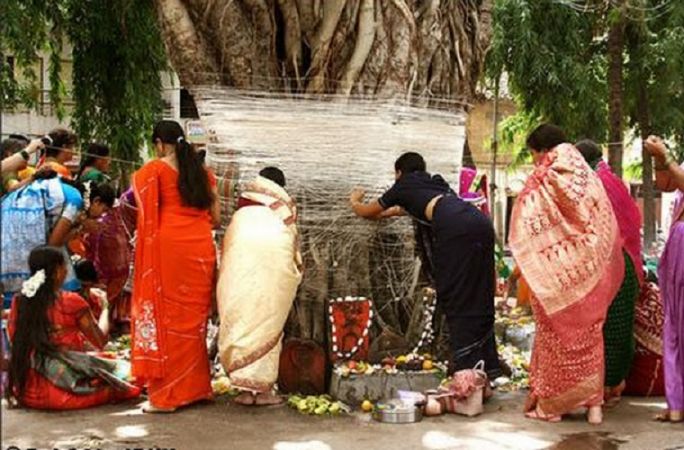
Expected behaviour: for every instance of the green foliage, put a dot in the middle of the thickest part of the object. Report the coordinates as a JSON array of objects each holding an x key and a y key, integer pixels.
[
  {"x": 555, "y": 67},
  {"x": 118, "y": 55},
  {"x": 554, "y": 53}
]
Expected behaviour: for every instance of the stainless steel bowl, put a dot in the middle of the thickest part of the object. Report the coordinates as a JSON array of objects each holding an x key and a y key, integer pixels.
[{"x": 399, "y": 415}]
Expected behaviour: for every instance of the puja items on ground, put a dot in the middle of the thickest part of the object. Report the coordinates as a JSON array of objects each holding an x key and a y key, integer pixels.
[
  {"x": 519, "y": 363},
  {"x": 119, "y": 348},
  {"x": 463, "y": 393},
  {"x": 397, "y": 411},
  {"x": 515, "y": 330},
  {"x": 319, "y": 405},
  {"x": 350, "y": 321},
  {"x": 221, "y": 385}
]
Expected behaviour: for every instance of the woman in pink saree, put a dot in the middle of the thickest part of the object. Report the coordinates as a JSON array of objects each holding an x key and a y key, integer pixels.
[
  {"x": 566, "y": 242},
  {"x": 670, "y": 177},
  {"x": 618, "y": 331}
]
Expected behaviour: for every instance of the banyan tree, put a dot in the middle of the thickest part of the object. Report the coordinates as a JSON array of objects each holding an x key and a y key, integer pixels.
[{"x": 332, "y": 91}]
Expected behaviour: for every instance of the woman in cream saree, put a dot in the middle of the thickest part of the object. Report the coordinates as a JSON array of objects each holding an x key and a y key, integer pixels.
[
  {"x": 258, "y": 280},
  {"x": 566, "y": 242}
]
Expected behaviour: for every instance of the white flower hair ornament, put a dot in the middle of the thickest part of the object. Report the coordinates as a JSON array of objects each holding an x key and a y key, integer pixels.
[
  {"x": 86, "y": 195},
  {"x": 31, "y": 286}
]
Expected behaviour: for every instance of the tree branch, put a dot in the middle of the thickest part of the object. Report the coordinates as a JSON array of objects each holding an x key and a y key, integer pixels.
[
  {"x": 364, "y": 43},
  {"x": 187, "y": 51},
  {"x": 332, "y": 10}
]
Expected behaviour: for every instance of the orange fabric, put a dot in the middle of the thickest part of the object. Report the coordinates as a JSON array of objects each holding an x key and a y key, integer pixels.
[
  {"x": 77, "y": 246},
  {"x": 523, "y": 294},
  {"x": 41, "y": 393},
  {"x": 566, "y": 242},
  {"x": 174, "y": 273},
  {"x": 61, "y": 169},
  {"x": 64, "y": 315}
]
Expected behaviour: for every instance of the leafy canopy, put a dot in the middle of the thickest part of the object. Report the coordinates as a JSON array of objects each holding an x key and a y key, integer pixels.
[
  {"x": 118, "y": 56},
  {"x": 554, "y": 53}
]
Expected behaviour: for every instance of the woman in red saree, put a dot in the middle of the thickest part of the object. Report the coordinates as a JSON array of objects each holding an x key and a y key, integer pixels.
[
  {"x": 566, "y": 242},
  {"x": 174, "y": 272},
  {"x": 54, "y": 335}
]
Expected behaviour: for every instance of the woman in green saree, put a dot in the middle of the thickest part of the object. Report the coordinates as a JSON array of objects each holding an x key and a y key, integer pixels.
[{"x": 95, "y": 164}]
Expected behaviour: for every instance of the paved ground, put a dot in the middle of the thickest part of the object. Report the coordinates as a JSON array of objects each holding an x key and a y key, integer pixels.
[{"x": 223, "y": 425}]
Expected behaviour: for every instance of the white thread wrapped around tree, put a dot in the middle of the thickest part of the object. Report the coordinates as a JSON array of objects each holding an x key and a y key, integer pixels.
[{"x": 326, "y": 146}]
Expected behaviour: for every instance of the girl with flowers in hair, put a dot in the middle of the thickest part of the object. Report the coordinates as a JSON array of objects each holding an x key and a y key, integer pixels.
[{"x": 51, "y": 331}]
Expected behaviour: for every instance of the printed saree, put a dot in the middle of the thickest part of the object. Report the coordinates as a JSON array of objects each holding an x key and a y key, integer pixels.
[
  {"x": 174, "y": 273},
  {"x": 109, "y": 248},
  {"x": 566, "y": 242},
  {"x": 258, "y": 280}
]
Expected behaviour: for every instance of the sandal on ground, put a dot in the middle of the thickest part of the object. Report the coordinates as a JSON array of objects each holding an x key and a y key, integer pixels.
[
  {"x": 245, "y": 399},
  {"x": 670, "y": 416},
  {"x": 536, "y": 414},
  {"x": 149, "y": 408},
  {"x": 268, "y": 399}
]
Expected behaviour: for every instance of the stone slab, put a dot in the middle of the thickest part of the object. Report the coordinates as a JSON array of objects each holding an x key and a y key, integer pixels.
[{"x": 353, "y": 389}]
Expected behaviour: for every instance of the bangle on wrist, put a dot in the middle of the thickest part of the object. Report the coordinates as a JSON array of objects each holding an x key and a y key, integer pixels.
[{"x": 24, "y": 154}]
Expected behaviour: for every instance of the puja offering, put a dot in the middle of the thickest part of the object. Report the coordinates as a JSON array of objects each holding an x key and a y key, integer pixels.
[
  {"x": 319, "y": 405},
  {"x": 397, "y": 411},
  {"x": 391, "y": 365}
]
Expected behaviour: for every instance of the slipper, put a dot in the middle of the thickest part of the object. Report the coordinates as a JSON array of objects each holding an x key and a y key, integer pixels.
[
  {"x": 667, "y": 417},
  {"x": 268, "y": 399},
  {"x": 537, "y": 415},
  {"x": 245, "y": 399},
  {"x": 151, "y": 409}
]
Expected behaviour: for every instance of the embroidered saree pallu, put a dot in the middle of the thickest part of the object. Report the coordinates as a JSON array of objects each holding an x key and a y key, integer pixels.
[
  {"x": 566, "y": 242},
  {"x": 258, "y": 280}
]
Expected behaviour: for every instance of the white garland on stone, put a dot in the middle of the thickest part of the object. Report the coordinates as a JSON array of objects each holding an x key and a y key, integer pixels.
[{"x": 335, "y": 347}]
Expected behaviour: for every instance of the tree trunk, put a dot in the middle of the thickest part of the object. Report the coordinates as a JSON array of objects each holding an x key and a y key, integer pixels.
[
  {"x": 647, "y": 173},
  {"x": 422, "y": 50},
  {"x": 616, "y": 44}
]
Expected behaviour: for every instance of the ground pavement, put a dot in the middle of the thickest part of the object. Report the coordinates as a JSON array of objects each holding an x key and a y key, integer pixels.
[{"x": 223, "y": 425}]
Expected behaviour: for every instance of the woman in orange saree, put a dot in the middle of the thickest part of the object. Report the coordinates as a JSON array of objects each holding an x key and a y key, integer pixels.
[
  {"x": 566, "y": 242},
  {"x": 174, "y": 273}
]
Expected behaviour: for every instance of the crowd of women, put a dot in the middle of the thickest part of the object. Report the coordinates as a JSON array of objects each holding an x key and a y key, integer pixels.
[{"x": 69, "y": 241}]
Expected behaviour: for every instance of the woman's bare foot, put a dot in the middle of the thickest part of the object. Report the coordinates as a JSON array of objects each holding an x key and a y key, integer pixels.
[
  {"x": 149, "y": 408},
  {"x": 245, "y": 398},
  {"x": 268, "y": 399},
  {"x": 670, "y": 416},
  {"x": 595, "y": 415}
]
